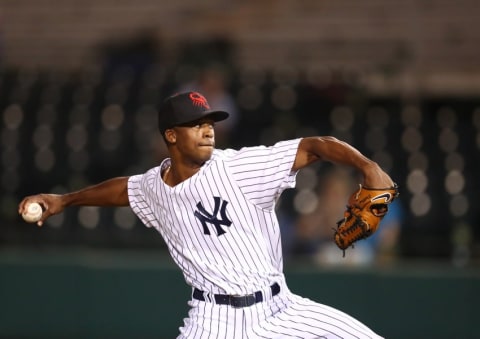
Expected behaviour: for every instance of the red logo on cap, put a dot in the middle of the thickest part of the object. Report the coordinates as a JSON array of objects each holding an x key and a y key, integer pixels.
[{"x": 199, "y": 100}]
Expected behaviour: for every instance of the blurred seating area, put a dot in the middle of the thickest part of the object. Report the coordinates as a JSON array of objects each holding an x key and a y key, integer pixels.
[
  {"x": 412, "y": 36},
  {"x": 80, "y": 83},
  {"x": 61, "y": 131}
]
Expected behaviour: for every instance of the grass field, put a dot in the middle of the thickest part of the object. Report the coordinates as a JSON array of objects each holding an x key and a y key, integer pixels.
[{"x": 81, "y": 293}]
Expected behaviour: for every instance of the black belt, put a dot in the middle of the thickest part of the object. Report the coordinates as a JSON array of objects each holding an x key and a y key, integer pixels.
[{"x": 237, "y": 300}]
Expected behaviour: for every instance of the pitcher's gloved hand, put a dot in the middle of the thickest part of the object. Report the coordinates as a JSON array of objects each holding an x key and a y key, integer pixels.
[{"x": 366, "y": 208}]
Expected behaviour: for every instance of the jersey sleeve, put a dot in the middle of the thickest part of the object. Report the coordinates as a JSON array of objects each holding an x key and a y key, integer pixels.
[
  {"x": 263, "y": 173},
  {"x": 139, "y": 193}
]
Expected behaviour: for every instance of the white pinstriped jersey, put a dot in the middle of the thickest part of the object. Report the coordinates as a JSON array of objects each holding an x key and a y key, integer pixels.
[
  {"x": 221, "y": 229},
  {"x": 220, "y": 225}
]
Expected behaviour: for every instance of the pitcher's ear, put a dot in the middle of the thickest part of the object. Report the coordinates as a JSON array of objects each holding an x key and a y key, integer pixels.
[{"x": 170, "y": 135}]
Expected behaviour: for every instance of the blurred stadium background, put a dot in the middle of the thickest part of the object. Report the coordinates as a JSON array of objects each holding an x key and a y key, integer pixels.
[{"x": 80, "y": 82}]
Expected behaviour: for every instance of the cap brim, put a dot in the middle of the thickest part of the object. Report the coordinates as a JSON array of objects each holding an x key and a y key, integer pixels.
[{"x": 215, "y": 115}]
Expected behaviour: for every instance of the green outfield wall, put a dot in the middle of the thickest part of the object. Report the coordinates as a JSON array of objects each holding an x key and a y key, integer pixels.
[{"x": 93, "y": 294}]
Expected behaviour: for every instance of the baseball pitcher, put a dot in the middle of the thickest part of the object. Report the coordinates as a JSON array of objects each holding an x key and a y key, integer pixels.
[{"x": 216, "y": 211}]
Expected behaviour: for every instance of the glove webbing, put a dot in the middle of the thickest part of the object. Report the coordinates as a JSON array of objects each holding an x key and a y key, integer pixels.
[{"x": 364, "y": 232}]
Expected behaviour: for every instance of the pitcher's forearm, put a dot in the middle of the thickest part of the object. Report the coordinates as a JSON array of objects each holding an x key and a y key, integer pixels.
[
  {"x": 331, "y": 149},
  {"x": 112, "y": 192}
]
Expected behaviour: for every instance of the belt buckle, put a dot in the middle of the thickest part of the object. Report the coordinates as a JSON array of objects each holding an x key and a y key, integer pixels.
[{"x": 239, "y": 301}]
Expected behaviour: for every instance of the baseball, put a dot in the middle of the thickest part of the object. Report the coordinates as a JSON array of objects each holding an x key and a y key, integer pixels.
[{"x": 33, "y": 212}]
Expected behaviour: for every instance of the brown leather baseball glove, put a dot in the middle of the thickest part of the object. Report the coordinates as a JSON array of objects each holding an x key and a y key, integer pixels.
[{"x": 365, "y": 209}]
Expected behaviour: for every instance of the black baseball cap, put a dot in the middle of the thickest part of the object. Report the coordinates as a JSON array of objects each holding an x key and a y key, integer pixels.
[{"x": 186, "y": 107}]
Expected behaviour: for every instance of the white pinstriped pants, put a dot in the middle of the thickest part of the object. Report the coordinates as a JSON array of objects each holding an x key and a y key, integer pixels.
[{"x": 284, "y": 316}]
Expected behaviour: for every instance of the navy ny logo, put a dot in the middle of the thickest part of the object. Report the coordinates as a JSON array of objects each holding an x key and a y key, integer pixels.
[{"x": 212, "y": 218}]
